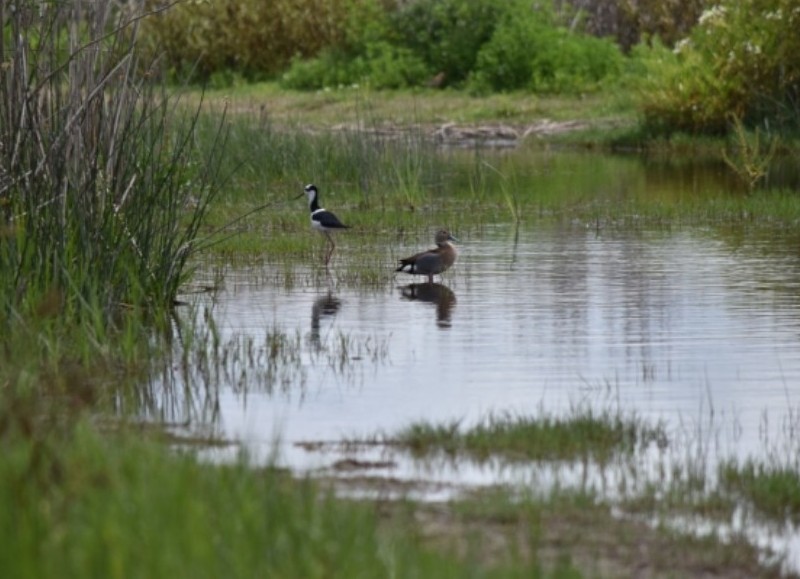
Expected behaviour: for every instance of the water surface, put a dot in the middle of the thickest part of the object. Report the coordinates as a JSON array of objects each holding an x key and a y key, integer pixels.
[{"x": 674, "y": 326}]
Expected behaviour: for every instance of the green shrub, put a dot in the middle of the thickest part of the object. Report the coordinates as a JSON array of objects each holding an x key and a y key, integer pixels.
[
  {"x": 528, "y": 51},
  {"x": 680, "y": 93},
  {"x": 742, "y": 60},
  {"x": 447, "y": 34},
  {"x": 382, "y": 65},
  {"x": 394, "y": 67},
  {"x": 331, "y": 68},
  {"x": 254, "y": 38}
]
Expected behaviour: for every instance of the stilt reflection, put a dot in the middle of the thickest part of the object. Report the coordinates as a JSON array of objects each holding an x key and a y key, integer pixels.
[{"x": 324, "y": 306}]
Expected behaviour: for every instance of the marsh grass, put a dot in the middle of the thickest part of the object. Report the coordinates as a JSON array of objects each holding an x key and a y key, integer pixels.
[
  {"x": 772, "y": 489},
  {"x": 673, "y": 510},
  {"x": 130, "y": 505},
  {"x": 389, "y": 189},
  {"x": 752, "y": 157},
  {"x": 102, "y": 188},
  {"x": 584, "y": 434}
]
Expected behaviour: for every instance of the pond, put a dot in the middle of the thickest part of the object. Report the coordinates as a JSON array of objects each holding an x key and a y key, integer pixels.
[
  {"x": 671, "y": 325},
  {"x": 674, "y": 324},
  {"x": 694, "y": 327}
]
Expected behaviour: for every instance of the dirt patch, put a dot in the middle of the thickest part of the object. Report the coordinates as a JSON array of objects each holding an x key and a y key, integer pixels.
[
  {"x": 589, "y": 538},
  {"x": 494, "y": 135},
  {"x": 495, "y": 529}
]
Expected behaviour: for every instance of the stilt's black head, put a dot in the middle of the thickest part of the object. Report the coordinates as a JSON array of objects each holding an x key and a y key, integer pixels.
[{"x": 311, "y": 194}]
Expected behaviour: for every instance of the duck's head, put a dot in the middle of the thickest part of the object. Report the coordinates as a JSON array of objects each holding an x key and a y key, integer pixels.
[{"x": 443, "y": 236}]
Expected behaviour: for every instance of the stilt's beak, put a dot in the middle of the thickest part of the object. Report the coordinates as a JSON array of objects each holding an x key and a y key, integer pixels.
[{"x": 298, "y": 196}]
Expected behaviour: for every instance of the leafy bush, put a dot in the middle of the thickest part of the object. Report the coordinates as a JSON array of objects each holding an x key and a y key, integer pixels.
[
  {"x": 680, "y": 93},
  {"x": 528, "y": 51},
  {"x": 394, "y": 67},
  {"x": 330, "y": 68},
  {"x": 447, "y": 34},
  {"x": 382, "y": 65},
  {"x": 255, "y": 38},
  {"x": 364, "y": 55},
  {"x": 742, "y": 60}
]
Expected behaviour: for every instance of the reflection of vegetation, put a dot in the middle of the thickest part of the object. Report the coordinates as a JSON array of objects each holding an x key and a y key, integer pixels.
[{"x": 185, "y": 384}]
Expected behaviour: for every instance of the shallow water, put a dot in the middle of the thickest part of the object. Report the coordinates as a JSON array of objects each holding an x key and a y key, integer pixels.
[
  {"x": 686, "y": 327},
  {"x": 698, "y": 328}
]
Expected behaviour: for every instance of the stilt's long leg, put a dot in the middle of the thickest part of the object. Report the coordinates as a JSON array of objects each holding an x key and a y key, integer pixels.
[{"x": 329, "y": 254}]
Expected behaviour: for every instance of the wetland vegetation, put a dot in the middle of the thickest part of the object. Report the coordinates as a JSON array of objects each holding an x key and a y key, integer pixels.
[{"x": 115, "y": 190}]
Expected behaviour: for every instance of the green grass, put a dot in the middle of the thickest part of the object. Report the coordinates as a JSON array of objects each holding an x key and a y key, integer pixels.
[
  {"x": 119, "y": 505},
  {"x": 583, "y": 434},
  {"x": 424, "y": 107},
  {"x": 773, "y": 490}
]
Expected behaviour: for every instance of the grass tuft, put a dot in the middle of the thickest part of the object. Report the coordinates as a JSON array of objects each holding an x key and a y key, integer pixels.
[
  {"x": 581, "y": 435},
  {"x": 773, "y": 490}
]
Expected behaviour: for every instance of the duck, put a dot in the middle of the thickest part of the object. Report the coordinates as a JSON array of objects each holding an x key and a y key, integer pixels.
[
  {"x": 434, "y": 261},
  {"x": 322, "y": 220}
]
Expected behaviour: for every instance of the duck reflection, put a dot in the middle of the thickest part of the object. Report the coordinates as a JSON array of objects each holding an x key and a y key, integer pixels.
[
  {"x": 434, "y": 293},
  {"x": 324, "y": 306}
]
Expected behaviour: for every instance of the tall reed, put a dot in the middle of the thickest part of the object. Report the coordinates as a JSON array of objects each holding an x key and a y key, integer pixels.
[{"x": 102, "y": 190}]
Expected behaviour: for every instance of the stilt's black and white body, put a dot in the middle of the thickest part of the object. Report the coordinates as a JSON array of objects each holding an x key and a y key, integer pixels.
[
  {"x": 434, "y": 261},
  {"x": 322, "y": 220}
]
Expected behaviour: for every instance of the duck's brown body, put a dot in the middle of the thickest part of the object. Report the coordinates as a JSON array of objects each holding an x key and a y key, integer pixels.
[{"x": 434, "y": 261}]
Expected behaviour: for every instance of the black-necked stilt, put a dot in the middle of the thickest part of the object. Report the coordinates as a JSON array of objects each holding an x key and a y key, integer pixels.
[
  {"x": 434, "y": 261},
  {"x": 323, "y": 221}
]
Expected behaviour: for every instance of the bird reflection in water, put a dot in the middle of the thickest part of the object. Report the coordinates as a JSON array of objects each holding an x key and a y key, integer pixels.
[
  {"x": 434, "y": 293},
  {"x": 324, "y": 306}
]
